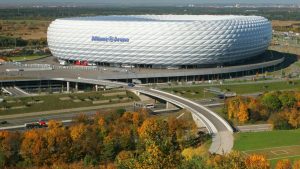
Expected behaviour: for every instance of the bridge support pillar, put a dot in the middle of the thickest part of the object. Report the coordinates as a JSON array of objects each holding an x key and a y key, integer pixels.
[
  {"x": 68, "y": 87},
  {"x": 137, "y": 93},
  {"x": 76, "y": 86},
  {"x": 169, "y": 105},
  {"x": 198, "y": 121}
]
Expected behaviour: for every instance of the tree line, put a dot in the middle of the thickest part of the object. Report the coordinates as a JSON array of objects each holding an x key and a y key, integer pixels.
[
  {"x": 102, "y": 141},
  {"x": 280, "y": 108},
  {"x": 59, "y": 12},
  {"x": 10, "y": 42},
  {"x": 122, "y": 140}
]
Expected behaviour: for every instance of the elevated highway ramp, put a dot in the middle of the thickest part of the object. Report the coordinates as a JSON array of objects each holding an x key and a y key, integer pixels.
[{"x": 219, "y": 128}]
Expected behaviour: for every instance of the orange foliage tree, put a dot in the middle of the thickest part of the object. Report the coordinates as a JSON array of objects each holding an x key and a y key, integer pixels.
[
  {"x": 243, "y": 114},
  {"x": 283, "y": 164},
  {"x": 296, "y": 164},
  {"x": 34, "y": 147},
  {"x": 256, "y": 161}
]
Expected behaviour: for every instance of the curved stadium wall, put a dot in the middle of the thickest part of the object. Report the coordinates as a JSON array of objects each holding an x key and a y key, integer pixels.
[{"x": 164, "y": 40}]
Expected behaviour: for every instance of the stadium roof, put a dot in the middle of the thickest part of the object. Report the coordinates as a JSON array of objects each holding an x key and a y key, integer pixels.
[{"x": 161, "y": 18}]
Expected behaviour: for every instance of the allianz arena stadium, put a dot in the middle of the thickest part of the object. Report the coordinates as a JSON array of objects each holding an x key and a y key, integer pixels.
[{"x": 159, "y": 40}]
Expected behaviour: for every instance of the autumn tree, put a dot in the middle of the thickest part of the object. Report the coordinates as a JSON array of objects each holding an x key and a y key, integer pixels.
[
  {"x": 297, "y": 97},
  {"x": 125, "y": 160},
  {"x": 283, "y": 164},
  {"x": 237, "y": 109},
  {"x": 279, "y": 121},
  {"x": 243, "y": 114},
  {"x": 153, "y": 131},
  {"x": 233, "y": 160},
  {"x": 154, "y": 158},
  {"x": 78, "y": 134},
  {"x": 256, "y": 111},
  {"x": 34, "y": 147},
  {"x": 294, "y": 117},
  {"x": 58, "y": 142},
  {"x": 136, "y": 119},
  {"x": 296, "y": 164},
  {"x": 232, "y": 107},
  {"x": 82, "y": 118},
  {"x": 256, "y": 161},
  {"x": 9, "y": 147},
  {"x": 160, "y": 147}
]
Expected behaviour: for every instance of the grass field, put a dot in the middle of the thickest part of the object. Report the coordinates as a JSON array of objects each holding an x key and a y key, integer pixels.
[
  {"x": 18, "y": 105},
  {"x": 196, "y": 92},
  {"x": 276, "y": 145},
  {"x": 26, "y": 58}
]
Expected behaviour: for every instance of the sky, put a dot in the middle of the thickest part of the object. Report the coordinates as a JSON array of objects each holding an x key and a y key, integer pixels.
[{"x": 139, "y": 2}]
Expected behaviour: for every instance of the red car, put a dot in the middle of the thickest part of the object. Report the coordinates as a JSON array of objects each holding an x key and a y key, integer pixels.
[{"x": 81, "y": 63}]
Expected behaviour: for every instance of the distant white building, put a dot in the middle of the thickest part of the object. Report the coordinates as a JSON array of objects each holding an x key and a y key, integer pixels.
[{"x": 159, "y": 40}]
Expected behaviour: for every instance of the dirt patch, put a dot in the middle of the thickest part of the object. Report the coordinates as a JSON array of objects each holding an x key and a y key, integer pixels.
[{"x": 284, "y": 23}]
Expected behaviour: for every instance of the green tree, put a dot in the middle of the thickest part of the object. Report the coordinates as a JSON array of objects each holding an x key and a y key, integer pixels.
[
  {"x": 271, "y": 101},
  {"x": 125, "y": 160},
  {"x": 287, "y": 99},
  {"x": 2, "y": 159},
  {"x": 196, "y": 162}
]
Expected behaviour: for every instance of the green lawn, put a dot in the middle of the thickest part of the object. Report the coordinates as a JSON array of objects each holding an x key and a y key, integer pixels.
[
  {"x": 196, "y": 92},
  {"x": 258, "y": 142},
  {"x": 25, "y": 58},
  {"x": 18, "y": 105}
]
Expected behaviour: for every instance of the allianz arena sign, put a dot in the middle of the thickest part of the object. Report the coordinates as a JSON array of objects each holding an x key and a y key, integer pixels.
[{"x": 109, "y": 39}]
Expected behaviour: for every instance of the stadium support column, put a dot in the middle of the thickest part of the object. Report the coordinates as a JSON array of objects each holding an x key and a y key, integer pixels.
[
  {"x": 68, "y": 87},
  {"x": 96, "y": 87}
]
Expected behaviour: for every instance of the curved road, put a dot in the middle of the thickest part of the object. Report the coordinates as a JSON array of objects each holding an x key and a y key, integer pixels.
[{"x": 221, "y": 131}]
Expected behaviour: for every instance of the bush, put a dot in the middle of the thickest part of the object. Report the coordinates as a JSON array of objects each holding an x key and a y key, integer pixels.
[
  {"x": 279, "y": 122},
  {"x": 271, "y": 101},
  {"x": 287, "y": 100},
  {"x": 120, "y": 112}
]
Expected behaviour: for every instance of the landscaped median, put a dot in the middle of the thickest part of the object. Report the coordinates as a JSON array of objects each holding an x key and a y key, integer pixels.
[
  {"x": 21, "y": 105},
  {"x": 26, "y": 58},
  {"x": 197, "y": 91}
]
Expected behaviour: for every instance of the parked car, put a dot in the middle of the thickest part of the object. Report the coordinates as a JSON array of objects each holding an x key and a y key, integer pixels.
[
  {"x": 131, "y": 85},
  {"x": 4, "y": 122}
]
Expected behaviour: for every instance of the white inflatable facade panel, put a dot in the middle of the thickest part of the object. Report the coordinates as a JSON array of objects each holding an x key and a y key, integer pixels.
[{"x": 159, "y": 39}]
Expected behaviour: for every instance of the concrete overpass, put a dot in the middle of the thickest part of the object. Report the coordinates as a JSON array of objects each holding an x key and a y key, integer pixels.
[{"x": 221, "y": 131}]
